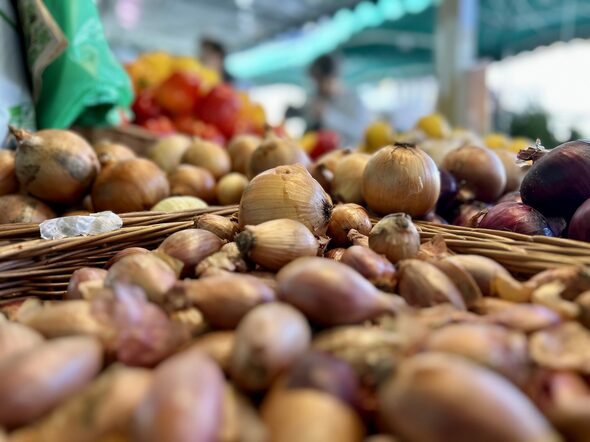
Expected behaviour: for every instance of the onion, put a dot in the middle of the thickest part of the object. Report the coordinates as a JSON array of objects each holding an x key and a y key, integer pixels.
[
  {"x": 344, "y": 218},
  {"x": 324, "y": 167},
  {"x": 514, "y": 173},
  {"x": 8, "y": 181},
  {"x": 178, "y": 204},
  {"x": 275, "y": 151},
  {"x": 81, "y": 276},
  {"x": 23, "y": 209},
  {"x": 129, "y": 186},
  {"x": 513, "y": 197},
  {"x": 514, "y": 217},
  {"x": 230, "y": 188},
  {"x": 54, "y": 165},
  {"x": 190, "y": 246},
  {"x": 187, "y": 180},
  {"x": 286, "y": 192},
  {"x": 447, "y": 200},
  {"x": 478, "y": 170},
  {"x": 167, "y": 151},
  {"x": 559, "y": 182},
  {"x": 223, "y": 227},
  {"x": 579, "y": 227},
  {"x": 121, "y": 253},
  {"x": 209, "y": 155},
  {"x": 467, "y": 212},
  {"x": 348, "y": 178},
  {"x": 240, "y": 150},
  {"x": 396, "y": 237},
  {"x": 401, "y": 178},
  {"x": 437, "y": 149},
  {"x": 112, "y": 152}
]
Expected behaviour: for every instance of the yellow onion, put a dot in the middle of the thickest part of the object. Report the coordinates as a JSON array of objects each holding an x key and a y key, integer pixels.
[
  {"x": 438, "y": 149},
  {"x": 478, "y": 170},
  {"x": 122, "y": 253},
  {"x": 275, "y": 151},
  {"x": 514, "y": 173},
  {"x": 129, "y": 186},
  {"x": 190, "y": 246},
  {"x": 223, "y": 227},
  {"x": 396, "y": 237},
  {"x": 167, "y": 151},
  {"x": 229, "y": 189},
  {"x": 376, "y": 268},
  {"x": 187, "y": 180},
  {"x": 240, "y": 150},
  {"x": 23, "y": 209},
  {"x": 401, "y": 178},
  {"x": 275, "y": 243},
  {"x": 323, "y": 168},
  {"x": 179, "y": 203},
  {"x": 218, "y": 346},
  {"x": 286, "y": 192},
  {"x": 344, "y": 218},
  {"x": 54, "y": 165},
  {"x": 348, "y": 178},
  {"x": 8, "y": 181},
  {"x": 109, "y": 152},
  {"x": 208, "y": 155}
]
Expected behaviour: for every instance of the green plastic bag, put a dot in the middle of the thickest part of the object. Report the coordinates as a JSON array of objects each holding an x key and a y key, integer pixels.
[{"x": 76, "y": 78}]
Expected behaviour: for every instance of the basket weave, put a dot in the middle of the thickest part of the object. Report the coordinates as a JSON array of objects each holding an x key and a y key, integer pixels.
[{"x": 35, "y": 267}]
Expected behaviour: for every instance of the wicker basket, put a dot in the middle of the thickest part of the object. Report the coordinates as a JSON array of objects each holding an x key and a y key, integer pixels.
[{"x": 35, "y": 267}]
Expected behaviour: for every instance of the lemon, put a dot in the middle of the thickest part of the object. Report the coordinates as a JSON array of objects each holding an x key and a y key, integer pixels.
[
  {"x": 496, "y": 141},
  {"x": 377, "y": 135},
  {"x": 519, "y": 143},
  {"x": 308, "y": 141},
  {"x": 434, "y": 125}
]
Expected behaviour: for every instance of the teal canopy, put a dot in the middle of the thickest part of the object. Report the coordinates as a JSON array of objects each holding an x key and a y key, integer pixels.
[{"x": 396, "y": 38}]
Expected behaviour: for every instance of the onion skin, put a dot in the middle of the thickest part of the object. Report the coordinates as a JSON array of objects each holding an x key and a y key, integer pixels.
[
  {"x": 129, "y": 186},
  {"x": 480, "y": 171},
  {"x": 240, "y": 150},
  {"x": 467, "y": 212},
  {"x": 121, "y": 253},
  {"x": 376, "y": 268},
  {"x": 559, "y": 182},
  {"x": 187, "y": 180},
  {"x": 331, "y": 293},
  {"x": 401, "y": 178},
  {"x": 54, "y": 156},
  {"x": 348, "y": 178},
  {"x": 223, "y": 227},
  {"x": 184, "y": 403},
  {"x": 80, "y": 276},
  {"x": 323, "y": 168},
  {"x": 109, "y": 152},
  {"x": 8, "y": 181},
  {"x": 514, "y": 217},
  {"x": 23, "y": 209},
  {"x": 396, "y": 237},
  {"x": 346, "y": 217},
  {"x": 579, "y": 227}
]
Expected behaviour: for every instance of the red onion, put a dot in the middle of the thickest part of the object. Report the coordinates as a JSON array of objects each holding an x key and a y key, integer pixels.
[
  {"x": 447, "y": 200},
  {"x": 580, "y": 224},
  {"x": 512, "y": 197},
  {"x": 515, "y": 217},
  {"x": 559, "y": 182},
  {"x": 467, "y": 212}
]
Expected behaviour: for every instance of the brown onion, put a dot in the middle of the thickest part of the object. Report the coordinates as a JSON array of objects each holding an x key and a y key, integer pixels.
[
  {"x": 269, "y": 340},
  {"x": 348, "y": 178},
  {"x": 396, "y": 237},
  {"x": 121, "y": 253},
  {"x": 184, "y": 402},
  {"x": 167, "y": 151},
  {"x": 478, "y": 170},
  {"x": 346, "y": 217},
  {"x": 322, "y": 170},
  {"x": 129, "y": 186},
  {"x": 514, "y": 173},
  {"x": 222, "y": 226},
  {"x": 240, "y": 150},
  {"x": 187, "y": 180},
  {"x": 286, "y": 192},
  {"x": 190, "y": 246},
  {"x": 16, "y": 338},
  {"x": 81, "y": 276},
  {"x": 23, "y": 209},
  {"x": 53, "y": 156},
  {"x": 208, "y": 155},
  {"x": 218, "y": 345},
  {"x": 335, "y": 254},
  {"x": 8, "y": 181},
  {"x": 275, "y": 151},
  {"x": 401, "y": 178},
  {"x": 376, "y": 268},
  {"x": 112, "y": 152},
  {"x": 230, "y": 188},
  {"x": 331, "y": 293}
]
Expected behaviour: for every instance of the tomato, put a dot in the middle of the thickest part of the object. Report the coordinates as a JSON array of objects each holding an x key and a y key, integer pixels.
[
  {"x": 191, "y": 126},
  {"x": 220, "y": 107},
  {"x": 179, "y": 94},
  {"x": 145, "y": 107},
  {"x": 160, "y": 125},
  {"x": 327, "y": 141}
]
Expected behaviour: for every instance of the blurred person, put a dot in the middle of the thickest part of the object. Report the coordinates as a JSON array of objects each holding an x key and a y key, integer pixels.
[
  {"x": 212, "y": 54},
  {"x": 333, "y": 106}
]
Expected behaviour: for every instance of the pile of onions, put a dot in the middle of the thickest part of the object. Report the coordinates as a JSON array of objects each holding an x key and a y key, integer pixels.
[
  {"x": 478, "y": 170},
  {"x": 208, "y": 155},
  {"x": 8, "y": 181},
  {"x": 275, "y": 151},
  {"x": 286, "y": 192},
  {"x": 112, "y": 152},
  {"x": 230, "y": 188},
  {"x": 23, "y": 209},
  {"x": 54, "y": 165},
  {"x": 514, "y": 217},
  {"x": 322, "y": 170},
  {"x": 187, "y": 180},
  {"x": 514, "y": 173},
  {"x": 559, "y": 182},
  {"x": 348, "y": 178},
  {"x": 129, "y": 186},
  {"x": 579, "y": 227},
  {"x": 401, "y": 178},
  {"x": 168, "y": 151},
  {"x": 240, "y": 150}
]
